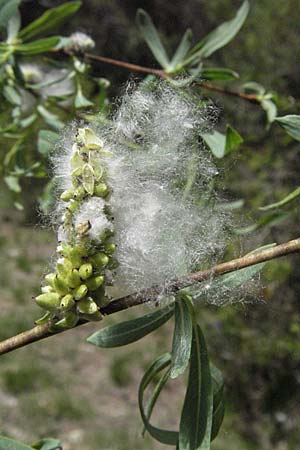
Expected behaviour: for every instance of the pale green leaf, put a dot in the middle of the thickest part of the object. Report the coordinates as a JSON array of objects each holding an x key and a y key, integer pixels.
[
  {"x": 181, "y": 52},
  {"x": 270, "y": 108},
  {"x": 150, "y": 34},
  {"x": 13, "y": 183},
  {"x": 291, "y": 124},
  {"x": 37, "y": 47},
  {"x": 216, "y": 141},
  {"x": 221, "y": 36},
  {"x": 216, "y": 74},
  {"x": 46, "y": 141},
  {"x": 11, "y": 444},
  {"x": 7, "y": 9}
]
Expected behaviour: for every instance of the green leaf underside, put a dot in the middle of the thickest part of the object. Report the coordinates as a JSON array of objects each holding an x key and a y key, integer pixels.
[
  {"x": 50, "y": 19},
  {"x": 195, "y": 420},
  {"x": 164, "y": 436},
  {"x": 7, "y": 10},
  {"x": 11, "y": 444},
  {"x": 182, "y": 49},
  {"x": 291, "y": 124},
  {"x": 132, "y": 330},
  {"x": 289, "y": 198},
  {"x": 221, "y": 36},
  {"x": 46, "y": 141},
  {"x": 150, "y": 34},
  {"x": 182, "y": 337}
]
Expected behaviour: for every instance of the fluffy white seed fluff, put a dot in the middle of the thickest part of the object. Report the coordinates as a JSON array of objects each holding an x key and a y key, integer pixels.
[{"x": 167, "y": 222}]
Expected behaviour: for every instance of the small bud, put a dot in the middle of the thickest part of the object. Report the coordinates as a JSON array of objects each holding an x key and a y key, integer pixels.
[
  {"x": 88, "y": 138},
  {"x": 79, "y": 193},
  {"x": 72, "y": 205},
  {"x": 80, "y": 292},
  {"x": 49, "y": 301},
  {"x": 67, "y": 195},
  {"x": 87, "y": 306},
  {"x": 73, "y": 279},
  {"x": 85, "y": 271},
  {"x": 46, "y": 289},
  {"x": 100, "y": 298},
  {"x": 113, "y": 264},
  {"x": 110, "y": 248},
  {"x": 101, "y": 190},
  {"x": 60, "y": 285},
  {"x": 67, "y": 302},
  {"x": 100, "y": 260},
  {"x": 50, "y": 277},
  {"x": 83, "y": 228},
  {"x": 95, "y": 282},
  {"x": 69, "y": 321},
  {"x": 64, "y": 266}
]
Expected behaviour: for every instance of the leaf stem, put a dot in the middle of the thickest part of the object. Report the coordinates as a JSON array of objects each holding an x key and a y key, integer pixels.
[{"x": 150, "y": 295}]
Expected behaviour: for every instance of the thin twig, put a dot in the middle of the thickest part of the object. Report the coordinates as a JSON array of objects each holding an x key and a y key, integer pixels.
[
  {"x": 162, "y": 74},
  {"x": 150, "y": 295}
]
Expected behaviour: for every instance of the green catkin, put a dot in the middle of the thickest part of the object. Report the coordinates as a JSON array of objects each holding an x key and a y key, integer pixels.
[{"x": 76, "y": 288}]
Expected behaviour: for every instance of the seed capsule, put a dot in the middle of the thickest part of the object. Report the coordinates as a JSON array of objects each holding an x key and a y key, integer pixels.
[
  {"x": 73, "y": 279},
  {"x": 67, "y": 302},
  {"x": 113, "y": 264},
  {"x": 49, "y": 301},
  {"x": 67, "y": 195},
  {"x": 50, "y": 277},
  {"x": 95, "y": 317},
  {"x": 95, "y": 282},
  {"x": 46, "y": 289},
  {"x": 100, "y": 260},
  {"x": 110, "y": 248},
  {"x": 72, "y": 205},
  {"x": 64, "y": 266},
  {"x": 69, "y": 321},
  {"x": 101, "y": 190},
  {"x": 80, "y": 292},
  {"x": 60, "y": 285},
  {"x": 79, "y": 193},
  {"x": 85, "y": 271},
  {"x": 87, "y": 306}
]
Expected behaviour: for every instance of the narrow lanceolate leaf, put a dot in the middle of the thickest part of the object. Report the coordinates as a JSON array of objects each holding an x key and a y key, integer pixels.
[
  {"x": 271, "y": 110},
  {"x": 164, "y": 436},
  {"x": 36, "y": 47},
  {"x": 182, "y": 337},
  {"x": 150, "y": 34},
  {"x": 7, "y": 9},
  {"x": 289, "y": 198},
  {"x": 49, "y": 20},
  {"x": 233, "y": 139},
  {"x": 132, "y": 330},
  {"x": 221, "y": 36},
  {"x": 218, "y": 401},
  {"x": 291, "y": 125},
  {"x": 181, "y": 51},
  {"x": 11, "y": 444},
  {"x": 215, "y": 74},
  {"x": 197, "y": 407}
]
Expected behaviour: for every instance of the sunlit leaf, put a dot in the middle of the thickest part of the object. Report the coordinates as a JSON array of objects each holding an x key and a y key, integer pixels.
[
  {"x": 50, "y": 118},
  {"x": 221, "y": 144},
  {"x": 253, "y": 86},
  {"x": 150, "y": 34},
  {"x": 13, "y": 27},
  {"x": 291, "y": 124},
  {"x": 132, "y": 330},
  {"x": 233, "y": 139},
  {"x": 47, "y": 444},
  {"x": 271, "y": 109},
  {"x": 182, "y": 336},
  {"x": 13, "y": 183},
  {"x": 167, "y": 437},
  {"x": 49, "y": 20}
]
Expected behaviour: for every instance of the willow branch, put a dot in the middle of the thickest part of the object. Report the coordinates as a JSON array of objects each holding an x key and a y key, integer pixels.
[
  {"x": 162, "y": 74},
  {"x": 150, "y": 295}
]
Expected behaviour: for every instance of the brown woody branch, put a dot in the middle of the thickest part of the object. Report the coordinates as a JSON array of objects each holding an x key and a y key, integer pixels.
[
  {"x": 150, "y": 295},
  {"x": 162, "y": 74}
]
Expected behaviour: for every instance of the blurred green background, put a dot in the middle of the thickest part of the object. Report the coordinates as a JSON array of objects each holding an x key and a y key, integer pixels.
[{"x": 88, "y": 397}]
